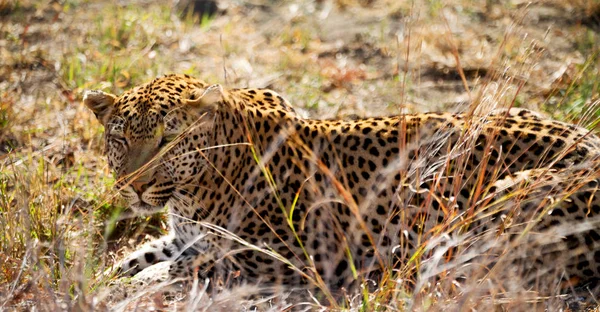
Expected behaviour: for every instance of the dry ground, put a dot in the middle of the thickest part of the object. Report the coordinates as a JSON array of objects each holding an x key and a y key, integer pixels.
[{"x": 62, "y": 226}]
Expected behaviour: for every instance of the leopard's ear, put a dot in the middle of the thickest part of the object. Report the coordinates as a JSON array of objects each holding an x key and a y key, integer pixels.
[
  {"x": 101, "y": 103},
  {"x": 205, "y": 100}
]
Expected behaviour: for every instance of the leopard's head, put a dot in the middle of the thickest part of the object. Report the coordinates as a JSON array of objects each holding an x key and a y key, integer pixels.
[{"x": 151, "y": 133}]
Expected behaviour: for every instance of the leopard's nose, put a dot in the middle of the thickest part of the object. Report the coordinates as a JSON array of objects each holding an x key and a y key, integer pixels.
[{"x": 139, "y": 186}]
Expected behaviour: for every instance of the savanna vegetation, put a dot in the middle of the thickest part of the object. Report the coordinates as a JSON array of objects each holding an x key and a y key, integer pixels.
[{"x": 63, "y": 227}]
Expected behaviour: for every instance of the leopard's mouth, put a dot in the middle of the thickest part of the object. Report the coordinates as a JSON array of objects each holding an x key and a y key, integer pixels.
[
  {"x": 146, "y": 208},
  {"x": 148, "y": 197}
]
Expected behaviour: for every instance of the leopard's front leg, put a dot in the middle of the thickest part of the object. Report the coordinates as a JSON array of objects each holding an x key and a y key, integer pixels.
[
  {"x": 170, "y": 259},
  {"x": 181, "y": 254},
  {"x": 148, "y": 265},
  {"x": 165, "y": 248}
]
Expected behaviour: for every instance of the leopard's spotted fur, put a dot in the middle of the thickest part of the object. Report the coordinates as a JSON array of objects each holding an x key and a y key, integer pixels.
[{"x": 331, "y": 194}]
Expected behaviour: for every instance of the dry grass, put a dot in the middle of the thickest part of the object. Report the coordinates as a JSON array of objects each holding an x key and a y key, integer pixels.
[{"x": 63, "y": 225}]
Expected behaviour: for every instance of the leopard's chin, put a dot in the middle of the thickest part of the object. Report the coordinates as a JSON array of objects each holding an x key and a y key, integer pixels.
[{"x": 146, "y": 208}]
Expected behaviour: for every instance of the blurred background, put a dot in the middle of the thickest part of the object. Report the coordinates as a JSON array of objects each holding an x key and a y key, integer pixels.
[{"x": 60, "y": 220}]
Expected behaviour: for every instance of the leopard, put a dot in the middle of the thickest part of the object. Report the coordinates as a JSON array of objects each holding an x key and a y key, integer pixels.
[{"x": 256, "y": 192}]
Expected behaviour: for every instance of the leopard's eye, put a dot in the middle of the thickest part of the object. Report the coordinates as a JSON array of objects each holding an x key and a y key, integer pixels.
[{"x": 164, "y": 140}]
